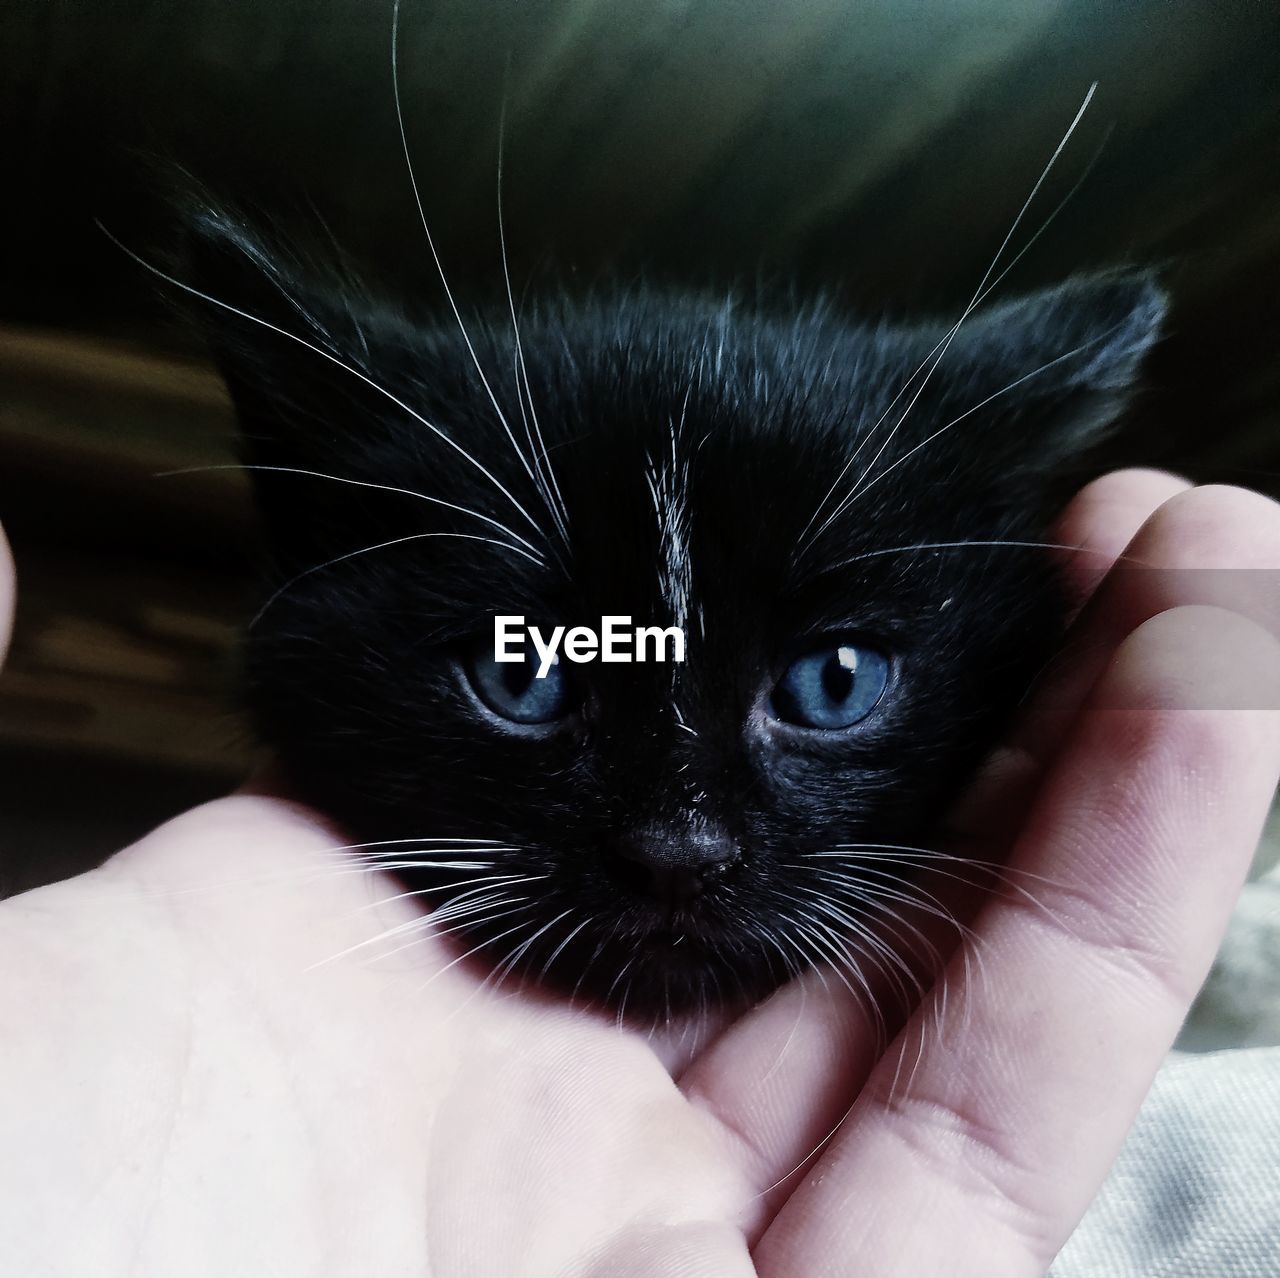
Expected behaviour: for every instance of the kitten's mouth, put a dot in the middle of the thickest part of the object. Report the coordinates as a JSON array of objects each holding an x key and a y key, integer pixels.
[
  {"x": 685, "y": 927},
  {"x": 680, "y": 960},
  {"x": 674, "y": 945},
  {"x": 644, "y": 953},
  {"x": 663, "y": 966}
]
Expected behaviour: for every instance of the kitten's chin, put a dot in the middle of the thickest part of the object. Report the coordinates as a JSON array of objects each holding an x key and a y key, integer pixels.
[{"x": 658, "y": 976}]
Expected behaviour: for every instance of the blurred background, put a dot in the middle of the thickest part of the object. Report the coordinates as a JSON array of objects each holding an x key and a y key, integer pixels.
[{"x": 877, "y": 149}]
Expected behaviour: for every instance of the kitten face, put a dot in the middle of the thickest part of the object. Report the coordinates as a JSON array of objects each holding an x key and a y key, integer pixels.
[{"x": 786, "y": 490}]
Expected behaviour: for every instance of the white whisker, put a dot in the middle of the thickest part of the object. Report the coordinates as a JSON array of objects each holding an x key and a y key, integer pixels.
[
  {"x": 955, "y": 421},
  {"x": 533, "y": 430},
  {"x": 882, "y": 955},
  {"x": 974, "y": 300},
  {"x": 464, "y": 904},
  {"x": 431, "y": 244},
  {"x": 361, "y": 483},
  {"x": 859, "y": 893},
  {"x": 475, "y": 949},
  {"x": 939, "y": 351},
  {"x": 979, "y": 544},
  {"x": 191, "y": 291},
  {"x": 994, "y": 868},
  {"x": 564, "y": 944},
  {"x": 382, "y": 545},
  {"x": 595, "y": 954},
  {"x": 499, "y": 971},
  {"x": 490, "y": 880}
]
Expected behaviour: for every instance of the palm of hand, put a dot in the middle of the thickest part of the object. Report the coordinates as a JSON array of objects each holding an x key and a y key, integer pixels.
[{"x": 360, "y": 1102}]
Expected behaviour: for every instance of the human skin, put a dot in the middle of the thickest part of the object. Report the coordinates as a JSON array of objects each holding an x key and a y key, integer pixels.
[{"x": 211, "y": 1067}]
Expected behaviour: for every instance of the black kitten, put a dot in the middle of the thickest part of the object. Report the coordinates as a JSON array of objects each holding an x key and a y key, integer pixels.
[{"x": 834, "y": 515}]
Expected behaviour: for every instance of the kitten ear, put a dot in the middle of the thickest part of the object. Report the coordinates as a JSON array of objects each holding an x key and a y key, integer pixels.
[
  {"x": 282, "y": 329},
  {"x": 1054, "y": 370}
]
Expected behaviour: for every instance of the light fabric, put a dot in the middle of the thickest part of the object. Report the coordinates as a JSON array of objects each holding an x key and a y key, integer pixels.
[{"x": 1196, "y": 1191}]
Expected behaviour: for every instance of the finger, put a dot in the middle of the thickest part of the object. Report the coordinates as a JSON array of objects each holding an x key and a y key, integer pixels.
[
  {"x": 1214, "y": 545},
  {"x": 1104, "y": 517},
  {"x": 981, "y": 1154},
  {"x": 781, "y": 1079},
  {"x": 701, "y": 1250}
]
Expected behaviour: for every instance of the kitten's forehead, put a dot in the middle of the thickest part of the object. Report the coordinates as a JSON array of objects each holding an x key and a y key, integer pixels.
[
  {"x": 684, "y": 462},
  {"x": 676, "y": 461},
  {"x": 667, "y": 478}
]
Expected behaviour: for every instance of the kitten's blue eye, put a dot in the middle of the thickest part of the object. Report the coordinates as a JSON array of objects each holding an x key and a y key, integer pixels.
[
  {"x": 831, "y": 687},
  {"x": 511, "y": 690}
]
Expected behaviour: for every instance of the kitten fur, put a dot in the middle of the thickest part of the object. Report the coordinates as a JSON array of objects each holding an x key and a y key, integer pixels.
[{"x": 769, "y": 481}]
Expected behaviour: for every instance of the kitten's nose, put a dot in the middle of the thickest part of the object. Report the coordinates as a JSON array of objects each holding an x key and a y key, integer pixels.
[{"x": 672, "y": 865}]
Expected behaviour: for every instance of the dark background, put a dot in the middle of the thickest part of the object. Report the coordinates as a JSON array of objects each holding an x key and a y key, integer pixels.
[{"x": 876, "y": 150}]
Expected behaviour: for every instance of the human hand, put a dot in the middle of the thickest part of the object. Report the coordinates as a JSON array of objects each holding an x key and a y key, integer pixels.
[
  {"x": 208, "y": 1074},
  {"x": 1128, "y": 801}
]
